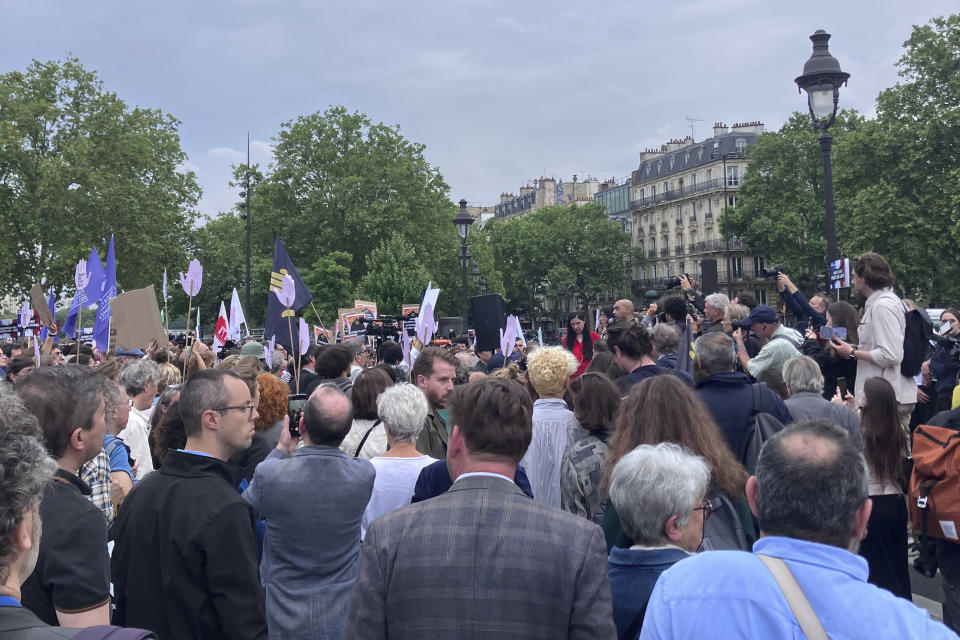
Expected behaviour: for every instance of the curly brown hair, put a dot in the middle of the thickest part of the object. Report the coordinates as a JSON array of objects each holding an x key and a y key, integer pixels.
[
  {"x": 274, "y": 394},
  {"x": 664, "y": 409}
]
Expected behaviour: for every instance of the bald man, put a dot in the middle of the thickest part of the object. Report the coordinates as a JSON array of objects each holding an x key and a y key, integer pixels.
[{"x": 623, "y": 311}]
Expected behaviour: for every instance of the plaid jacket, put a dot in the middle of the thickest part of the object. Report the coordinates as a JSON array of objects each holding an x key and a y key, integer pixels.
[{"x": 482, "y": 561}]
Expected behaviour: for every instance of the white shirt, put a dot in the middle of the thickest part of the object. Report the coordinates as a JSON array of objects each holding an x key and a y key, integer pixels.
[
  {"x": 136, "y": 436},
  {"x": 393, "y": 487},
  {"x": 554, "y": 429}
]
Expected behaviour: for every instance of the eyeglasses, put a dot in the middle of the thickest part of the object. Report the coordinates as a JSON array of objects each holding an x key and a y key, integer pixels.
[
  {"x": 249, "y": 408},
  {"x": 706, "y": 507}
]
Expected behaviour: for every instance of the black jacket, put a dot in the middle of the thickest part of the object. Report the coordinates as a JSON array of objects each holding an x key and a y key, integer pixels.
[{"x": 185, "y": 561}]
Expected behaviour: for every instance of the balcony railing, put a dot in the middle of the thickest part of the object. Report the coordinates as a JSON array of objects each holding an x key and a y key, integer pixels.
[
  {"x": 682, "y": 192},
  {"x": 652, "y": 253},
  {"x": 665, "y": 251},
  {"x": 678, "y": 250}
]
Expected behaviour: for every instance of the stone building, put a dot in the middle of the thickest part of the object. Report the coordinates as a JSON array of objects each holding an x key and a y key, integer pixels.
[
  {"x": 678, "y": 194},
  {"x": 546, "y": 192}
]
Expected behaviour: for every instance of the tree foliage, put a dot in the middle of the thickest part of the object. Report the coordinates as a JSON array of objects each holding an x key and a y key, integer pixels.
[
  {"x": 328, "y": 279},
  {"x": 896, "y": 177},
  {"x": 77, "y": 164},
  {"x": 341, "y": 183},
  {"x": 393, "y": 276},
  {"x": 554, "y": 253}
]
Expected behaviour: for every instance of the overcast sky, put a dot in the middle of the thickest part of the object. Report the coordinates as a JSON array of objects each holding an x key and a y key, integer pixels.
[{"x": 499, "y": 92}]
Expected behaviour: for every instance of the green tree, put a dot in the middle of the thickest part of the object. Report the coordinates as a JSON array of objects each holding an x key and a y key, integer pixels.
[
  {"x": 555, "y": 253},
  {"x": 342, "y": 183},
  {"x": 780, "y": 204},
  {"x": 77, "y": 164},
  {"x": 329, "y": 282},
  {"x": 393, "y": 276}
]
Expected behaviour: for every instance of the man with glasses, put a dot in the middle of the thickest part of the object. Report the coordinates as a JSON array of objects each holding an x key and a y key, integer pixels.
[
  {"x": 811, "y": 499},
  {"x": 185, "y": 561}
]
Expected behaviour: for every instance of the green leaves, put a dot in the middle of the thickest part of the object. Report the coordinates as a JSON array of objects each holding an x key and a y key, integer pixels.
[{"x": 77, "y": 164}]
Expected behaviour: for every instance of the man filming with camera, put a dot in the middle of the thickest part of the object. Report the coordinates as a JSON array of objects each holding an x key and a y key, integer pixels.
[
  {"x": 812, "y": 312},
  {"x": 780, "y": 343}
]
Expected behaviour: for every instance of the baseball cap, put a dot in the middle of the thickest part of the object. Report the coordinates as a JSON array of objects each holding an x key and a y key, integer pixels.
[{"x": 761, "y": 313}]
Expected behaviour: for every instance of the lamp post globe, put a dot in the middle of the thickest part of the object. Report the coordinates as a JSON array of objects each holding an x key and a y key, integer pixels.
[
  {"x": 463, "y": 222},
  {"x": 822, "y": 78}
]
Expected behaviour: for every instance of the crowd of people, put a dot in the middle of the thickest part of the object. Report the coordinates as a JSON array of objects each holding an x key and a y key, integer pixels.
[{"x": 698, "y": 468}]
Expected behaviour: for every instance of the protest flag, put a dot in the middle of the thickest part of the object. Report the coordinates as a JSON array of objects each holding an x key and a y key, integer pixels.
[
  {"x": 276, "y": 324},
  {"x": 685, "y": 351},
  {"x": 236, "y": 317},
  {"x": 101, "y": 327},
  {"x": 221, "y": 332},
  {"x": 87, "y": 295}
]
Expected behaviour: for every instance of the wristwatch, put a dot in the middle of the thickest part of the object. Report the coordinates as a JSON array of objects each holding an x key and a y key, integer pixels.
[{"x": 853, "y": 353}]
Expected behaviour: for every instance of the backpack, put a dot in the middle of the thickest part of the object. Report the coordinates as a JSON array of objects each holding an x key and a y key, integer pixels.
[
  {"x": 916, "y": 341},
  {"x": 762, "y": 426},
  {"x": 934, "y": 499},
  {"x": 108, "y": 632},
  {"x": 723, "y": 529}
]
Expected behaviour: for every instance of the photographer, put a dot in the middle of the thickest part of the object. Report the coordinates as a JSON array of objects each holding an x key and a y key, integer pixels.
[
  {"x": 691, "y": 294},
  {"x": 807, "y": 313},
  {"x": 945, "y": 362}
]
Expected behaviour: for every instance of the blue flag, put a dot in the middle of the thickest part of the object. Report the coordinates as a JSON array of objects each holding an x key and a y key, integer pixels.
[
  {"x": 101, "y": 328},
  {"x": 685, "y": 351},
  {"x": 276, "y": 324},
  {"x": 51, "y": 304},
  {"x": 89, "y": 295}
]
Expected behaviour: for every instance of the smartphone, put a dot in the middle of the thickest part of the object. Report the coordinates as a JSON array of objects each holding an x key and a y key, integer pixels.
[
  {"x": 295, "y": 404},
  {"x": 840, "y": 333},
  {"x": 842, "y": 386}
]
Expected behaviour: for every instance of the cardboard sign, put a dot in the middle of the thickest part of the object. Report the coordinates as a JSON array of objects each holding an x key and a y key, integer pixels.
[
  {"x": 38, "y": 300},
  {"x": 369, "y": 306},
  {"x": 136, "y": 317}
]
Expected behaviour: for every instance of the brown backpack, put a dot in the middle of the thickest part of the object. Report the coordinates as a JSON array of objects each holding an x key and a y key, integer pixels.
[{"x": 935, "y": 482}]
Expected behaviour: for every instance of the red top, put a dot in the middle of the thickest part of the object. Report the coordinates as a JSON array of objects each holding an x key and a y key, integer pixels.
[{"x": 578, "y": 354}]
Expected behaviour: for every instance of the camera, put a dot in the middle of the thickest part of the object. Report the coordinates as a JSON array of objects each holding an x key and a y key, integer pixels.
[
  {"x": 772, "y": 272},
  {"x": 735, "y": 324},
  {"x": 674, "y": 282}
]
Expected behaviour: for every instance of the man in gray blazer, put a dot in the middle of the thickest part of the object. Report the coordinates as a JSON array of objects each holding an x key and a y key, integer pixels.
[
  {"x": 804, "y": 383},
  {"x": 483, "y": 560},
  {"x": 313, "y": 502}
]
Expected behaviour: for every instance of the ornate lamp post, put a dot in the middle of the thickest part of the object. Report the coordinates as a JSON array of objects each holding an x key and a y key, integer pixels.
[
  {"x": 821, "y": 80},
  {"x": 463, "y": 222}
]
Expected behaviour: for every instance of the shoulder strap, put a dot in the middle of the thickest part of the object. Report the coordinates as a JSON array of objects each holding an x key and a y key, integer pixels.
[
  {"x": 365, "y": 436},
  {"x": 806, "y": 617},
  {"x": 759, "y": 397}
]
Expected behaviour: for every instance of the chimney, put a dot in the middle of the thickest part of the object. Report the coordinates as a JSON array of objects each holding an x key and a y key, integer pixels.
[{"x": 719, "y": 129}]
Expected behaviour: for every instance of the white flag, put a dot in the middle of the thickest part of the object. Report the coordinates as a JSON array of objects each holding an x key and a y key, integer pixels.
[{"x": 236, "y": 316}]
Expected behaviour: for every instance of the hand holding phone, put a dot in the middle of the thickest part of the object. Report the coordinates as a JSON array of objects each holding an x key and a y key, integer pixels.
[{"x": 295, "y": 404}]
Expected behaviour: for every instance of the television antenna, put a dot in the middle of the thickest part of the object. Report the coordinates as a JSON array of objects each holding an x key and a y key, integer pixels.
[{"x": 690, "y": 122}]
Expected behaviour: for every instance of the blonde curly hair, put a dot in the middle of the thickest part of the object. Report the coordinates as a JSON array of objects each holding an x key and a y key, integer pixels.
[{"x": 549, "y": 368}]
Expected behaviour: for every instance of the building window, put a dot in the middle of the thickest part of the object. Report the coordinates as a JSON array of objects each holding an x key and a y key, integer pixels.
[
  {"x": 653, "y": 190},
  {"x": 736, "y": 265},
  {"x": 758, "y": 265},
  {"x": 733, "y": 176},
  {"x": 693, "y": 179},
  {"x": 731, "y": 201},
  {"x": 741, "y": 145},
  {"x": 654, "y": 271},
  {"x": 682, "y": 267},
  {"x": 709, "y": 206},
  {"x": 709, "y": 175},
  {"x": 760, "y": 295}
]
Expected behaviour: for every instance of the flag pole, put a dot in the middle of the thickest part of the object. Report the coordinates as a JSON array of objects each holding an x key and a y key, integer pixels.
[{"x": 318, "y": 316}]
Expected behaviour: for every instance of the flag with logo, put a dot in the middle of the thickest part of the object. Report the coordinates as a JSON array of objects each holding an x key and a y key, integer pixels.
[
  {"x": 236, "y": 317},
  {"x": 101, "y": 327},
  {"x": 89, "y": 295},
  {"x": 277, "y": 314}
]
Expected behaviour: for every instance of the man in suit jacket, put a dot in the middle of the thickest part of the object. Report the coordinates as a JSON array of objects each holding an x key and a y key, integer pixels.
[
  {"x": 312, "y": 499},
  {"x": 483, "y": 559}
]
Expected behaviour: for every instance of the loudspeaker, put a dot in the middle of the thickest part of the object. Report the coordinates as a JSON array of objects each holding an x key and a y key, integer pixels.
[
  {"x": 708, "y": 276},
  {"x": 488, "y": 319}
]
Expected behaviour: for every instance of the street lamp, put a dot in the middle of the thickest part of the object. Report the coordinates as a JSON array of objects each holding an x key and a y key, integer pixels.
[
  {"x": 475, "y": 274},
  {"x": 821, "y": 80},
  {"x": 245, "y": 194},
  {"x": 726, "y": 241},
  {"x": 463, "y": 222}
]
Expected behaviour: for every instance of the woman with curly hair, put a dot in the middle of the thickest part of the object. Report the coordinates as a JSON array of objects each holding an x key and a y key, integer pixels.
[
  {"x": 664, "y": 409},
  {"x": 554, "y": 426},
  {"x": 274, "y": 398}
]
